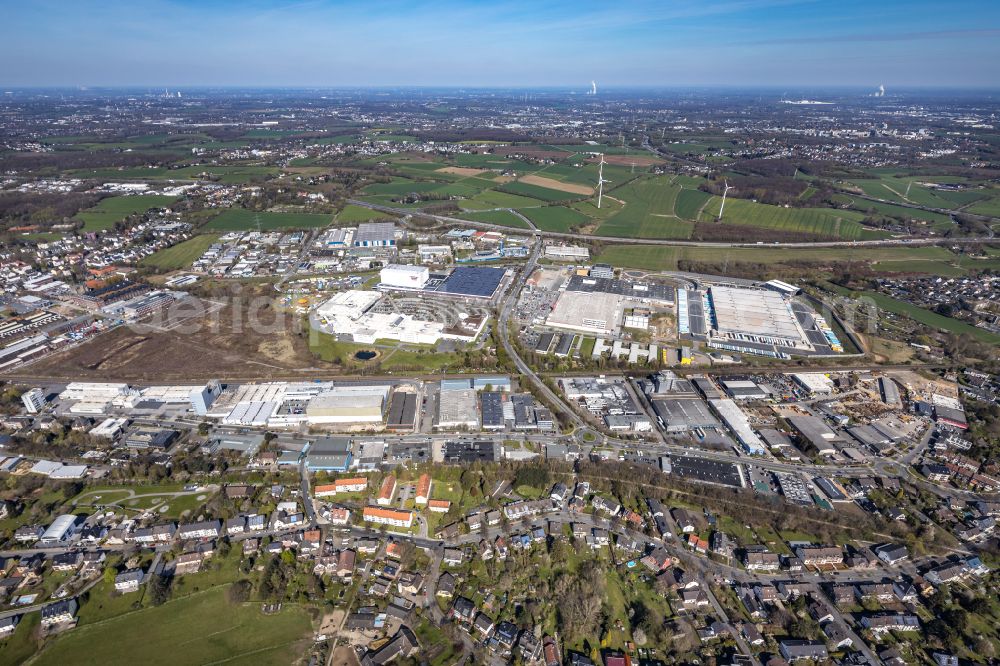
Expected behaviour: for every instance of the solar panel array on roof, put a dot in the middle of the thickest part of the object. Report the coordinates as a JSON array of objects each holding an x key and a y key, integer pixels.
[
  {"x": 402, "y": 411},
  {"x": 564, "y": 344},
  {"x": 492, "y": 406},
  {"x": 478, "y": 282}
]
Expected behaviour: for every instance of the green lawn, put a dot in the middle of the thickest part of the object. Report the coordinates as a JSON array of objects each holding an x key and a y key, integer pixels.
[
  {"x": 390, "y": 359},
  {"x": 197, "y": 629},
  {"x": 19, "y": 647},
  {"x": 103, "y": 603},
  {"x": 115, "y": 209},
  {"x": 239, "y": 219},
  {"x": 181, "y": 255}
]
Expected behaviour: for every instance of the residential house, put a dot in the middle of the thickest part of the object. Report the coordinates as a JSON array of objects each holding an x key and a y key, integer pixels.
[
  {"x": 794, "y": 649},
  {"x": 61, "y": 612},
  {"x": 814, "y": 556},
  {"x": 483, "y": 624},
  {"x": 129, "y": 581},
  {"x": 209, "y": 529},
  {"x": 446, "y": 585},
  {"x": 761, "y": 560},
  {"x": 883, "y": 623}
]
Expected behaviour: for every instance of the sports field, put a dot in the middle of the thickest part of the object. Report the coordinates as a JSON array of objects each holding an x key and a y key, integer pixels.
[
  {"x": 115, "y": 209},
  {"x": 239, "y": 219},
  {"x": 201, "y": 628},
  {"x": 181, "y": 255}
]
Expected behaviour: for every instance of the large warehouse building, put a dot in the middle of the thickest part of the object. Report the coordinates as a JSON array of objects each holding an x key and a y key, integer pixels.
[
  {"x": 754, "y": 315},
  {"x": 458, "y": 409},
  {"x": 598, "y": 313},
  {"x": 399, "y": 276},
  {"x": 472, "y": 282},
  {"x": 364, "y": 404},
  {"x": 351, "y": 315}
]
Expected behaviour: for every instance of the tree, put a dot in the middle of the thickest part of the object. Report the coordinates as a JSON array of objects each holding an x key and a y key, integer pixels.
[
  {"x": 239, "y": 591},
  {"x": 159, "y": 589}
]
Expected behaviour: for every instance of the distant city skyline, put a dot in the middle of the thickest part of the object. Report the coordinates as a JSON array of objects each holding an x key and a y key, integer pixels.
[{"x": 326, "y": 43}]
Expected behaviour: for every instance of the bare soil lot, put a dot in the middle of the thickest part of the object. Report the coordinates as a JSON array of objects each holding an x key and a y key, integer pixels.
[
  {"x": 553, "y": 184},
  {"x": 222, "y": 344},
  {"x": 461, "y": 171}
]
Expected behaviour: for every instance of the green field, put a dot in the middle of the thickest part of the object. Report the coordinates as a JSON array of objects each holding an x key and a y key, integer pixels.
[
  {"x": 198, "y": 629},
  {"x": 555, "y": 218},
  {"x": 690, "y": 203},
  {"x": 917, "y": 259},
  {"x": 230, "y": 175},
  {"x": 910, "y": 189},
  {"x": 391, "y": 358},
  {"x": 932, "y": 319},
  {"x": 353, "y": 214},
  {"x": 495, "y": 199},
  {"x": 989, "y": 206},
  {"x": 181, "y": 255},
  {"x": 822, "y": 221},
  {"x": 536, "y": 192},
  {"x": 402, "y": 186},
  {"x": 239, "y": 219},
  {"x": 648, "y": 211},
  {"x": 501, "y": 217},
  {"x": 105, "y": 214},
  {"x": 863, "y": 205}
]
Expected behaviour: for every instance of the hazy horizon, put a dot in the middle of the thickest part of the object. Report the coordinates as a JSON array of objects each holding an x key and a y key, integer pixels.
[{"x": 451, "y": 44}]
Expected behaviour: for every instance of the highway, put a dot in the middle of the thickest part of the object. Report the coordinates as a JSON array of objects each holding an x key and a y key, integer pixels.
[{"x": 455, "y": 221}]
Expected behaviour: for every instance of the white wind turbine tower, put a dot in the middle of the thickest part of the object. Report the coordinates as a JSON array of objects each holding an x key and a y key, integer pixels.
[
  {"x": 724, "y": 193},
  {"x": 600, "y": 181}
]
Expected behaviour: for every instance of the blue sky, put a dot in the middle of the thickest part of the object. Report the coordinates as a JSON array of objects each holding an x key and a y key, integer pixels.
[{"x": 901, "y": 43}]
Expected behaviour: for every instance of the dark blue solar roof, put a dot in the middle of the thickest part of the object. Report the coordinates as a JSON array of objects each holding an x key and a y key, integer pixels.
[{"x": 473, "y": 281}]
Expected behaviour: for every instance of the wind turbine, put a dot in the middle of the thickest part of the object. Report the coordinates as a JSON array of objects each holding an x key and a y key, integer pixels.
[
  {"x": 723, "y": 206},
  {"x": 600, "y": 181}
]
